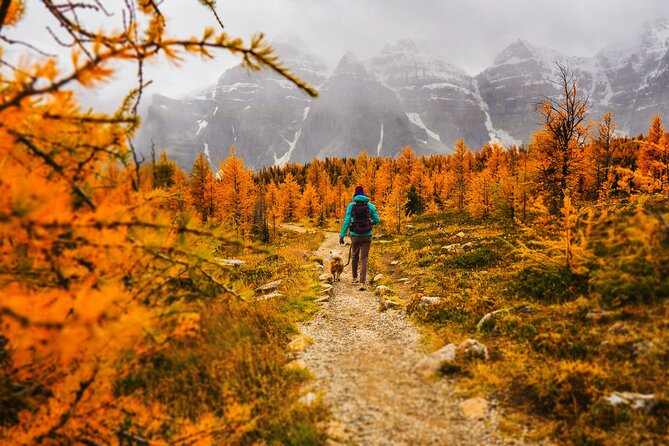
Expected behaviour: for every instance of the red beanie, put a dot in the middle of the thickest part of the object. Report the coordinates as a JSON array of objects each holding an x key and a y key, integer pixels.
[{"x": 358, "y": 191}]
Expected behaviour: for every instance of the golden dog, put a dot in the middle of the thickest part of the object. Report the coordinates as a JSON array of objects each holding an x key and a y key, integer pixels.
[{"x": 336, "y": 265}]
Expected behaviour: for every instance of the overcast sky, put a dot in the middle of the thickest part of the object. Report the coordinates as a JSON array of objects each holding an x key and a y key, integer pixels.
[{"x": 467, "y": 33}]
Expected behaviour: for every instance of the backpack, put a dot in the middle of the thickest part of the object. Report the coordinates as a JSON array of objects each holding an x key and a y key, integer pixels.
[{"x": 362, "y": 218}]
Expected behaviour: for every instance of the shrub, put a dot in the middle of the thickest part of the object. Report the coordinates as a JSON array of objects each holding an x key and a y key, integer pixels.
[
  {"x": 477, "y": 258},
  {"x": 549, "y": 285}
]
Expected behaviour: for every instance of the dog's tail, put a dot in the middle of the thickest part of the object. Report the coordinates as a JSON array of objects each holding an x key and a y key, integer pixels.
[{"x": 349, "y": 254}]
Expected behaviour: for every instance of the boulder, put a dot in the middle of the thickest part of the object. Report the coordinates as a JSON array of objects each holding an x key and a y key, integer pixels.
[
  {"x": 378, "y": 277},
  {"x": 460, "y": 234},
  {"x": 474, "y": 408},
  {"x": 403, "y": 280},
  {"x": 395, "y": 263},
  {"x": 467, "y": 246},
  {"x": 326, "y": 277},
  {"x": 634, "y": 400},
  {"x": 429, "y": 300},
  {"x": 432, "y": 363},
  {"x": 451, "y": 354},
  {"x": 269, "y": 287},
  {"x": 472, "y": 349}
]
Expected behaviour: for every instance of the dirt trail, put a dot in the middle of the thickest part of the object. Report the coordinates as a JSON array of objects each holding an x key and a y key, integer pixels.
[{"x": 363, "y": 360}]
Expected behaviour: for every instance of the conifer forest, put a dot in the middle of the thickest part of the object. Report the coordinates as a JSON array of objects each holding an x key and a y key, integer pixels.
[{"x": 517, "y": 292}]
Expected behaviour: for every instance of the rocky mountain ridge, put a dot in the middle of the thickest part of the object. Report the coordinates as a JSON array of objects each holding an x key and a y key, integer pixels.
[{"x": 403, "y": 96}]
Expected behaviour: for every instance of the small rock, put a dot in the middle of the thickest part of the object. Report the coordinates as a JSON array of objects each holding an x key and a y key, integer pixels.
[
  {"x": 474, "y": 408},
  {"x": 308, "y": 399},
  {"x": 378, "y": 277},
  {"x": 323, "y": 299},
  {"x": 634, "y": 400},
  {"x": 395, "y": 263},
  {"x": 409, "y": 226},
  {"x": 619, "y": 328},
  {"x": 321, "y": 267},
  {"x": 466, "y": 246},
  {"x": 472, "y": 349},
  {"x": 597, "y": 314},
  {"x": 382, "y": 290},
  {"x": 326, "y": 277},
  {"x": 268, "y": 287},
  {"x": 232, "y": 262},
  {"x": 297, "y": 364},
  {"x": 403, "y": 280},
  {"x": 526, "y": 310},
  {"x": 432, "y": 363},
  {"x": 452, "y": 247},
  {"x": 337, "y": 432},
  {"x": 429, "y": 300},
  {"x": 299, "y": 344},
  {"x": 460, "y": 234},
  {"x": 269, "y": 296},
  {"x": 388, "y": 304},
  {"x": 641, "y": 348},
  {"x": 307, "y": 255},
  {"x": 486, "y": 317}
]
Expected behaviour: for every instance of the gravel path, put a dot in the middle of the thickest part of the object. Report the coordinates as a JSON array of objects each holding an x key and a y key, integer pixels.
[{"x": 363, "y": 360}]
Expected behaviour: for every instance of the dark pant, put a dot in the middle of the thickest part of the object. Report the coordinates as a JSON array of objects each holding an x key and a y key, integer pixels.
[{"x": 360, "y": 247}]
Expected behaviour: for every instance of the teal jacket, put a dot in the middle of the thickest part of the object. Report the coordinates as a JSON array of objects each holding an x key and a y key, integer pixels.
[{"x": 349, "y": 216}]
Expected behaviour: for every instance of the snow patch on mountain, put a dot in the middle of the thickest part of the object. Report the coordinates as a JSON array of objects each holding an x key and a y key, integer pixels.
[
  {"x": 281, "y": 162},
  {"x": 378, "y": 148},
  {"x": 206, "y": 152},
  {"x": 416, "y": 120},
  {"x": 201, "y": 124}
]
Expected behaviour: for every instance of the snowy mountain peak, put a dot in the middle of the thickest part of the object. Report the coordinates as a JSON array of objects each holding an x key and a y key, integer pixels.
[
  {"x": 406, "y": 65},
  {"x": 290, "y": 40},
  {"x": 350, "y": 65},
  {"x": 402, "y": 46},
  {"x": 521, "y": 50}
]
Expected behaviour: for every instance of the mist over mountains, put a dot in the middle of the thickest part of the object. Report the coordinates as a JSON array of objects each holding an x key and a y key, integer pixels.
[{"x": 402, "y": 96}]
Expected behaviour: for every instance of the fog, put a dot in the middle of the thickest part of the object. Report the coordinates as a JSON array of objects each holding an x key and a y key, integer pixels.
[{"x": 467, "y": 33}]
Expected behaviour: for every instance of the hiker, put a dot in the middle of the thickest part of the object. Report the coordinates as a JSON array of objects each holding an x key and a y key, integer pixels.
[{"x": 361, "y": 215}]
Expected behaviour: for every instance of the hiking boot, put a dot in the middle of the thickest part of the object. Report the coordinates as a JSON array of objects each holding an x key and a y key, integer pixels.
[
  {"x": 355, "y": 280},
  {"x": 363, "y": 287}
]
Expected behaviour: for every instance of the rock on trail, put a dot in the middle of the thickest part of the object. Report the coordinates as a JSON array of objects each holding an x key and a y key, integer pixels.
[{"x": 364, "y": 362}]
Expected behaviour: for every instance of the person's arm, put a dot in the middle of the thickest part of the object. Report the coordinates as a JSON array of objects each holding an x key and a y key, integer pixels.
[
  {"x": 347, "y": 221},
  {"x": 375, "y": 215}
]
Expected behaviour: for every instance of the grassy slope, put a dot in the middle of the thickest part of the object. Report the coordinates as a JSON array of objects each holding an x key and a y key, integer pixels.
[
  {"x": 235, "y": 366},
  {"x": 551, "y": 362}
]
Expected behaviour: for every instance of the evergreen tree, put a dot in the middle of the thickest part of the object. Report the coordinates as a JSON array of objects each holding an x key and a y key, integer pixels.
[
  {"x": 415, "y": 204},
  {"x": 200, "y": 187}
]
